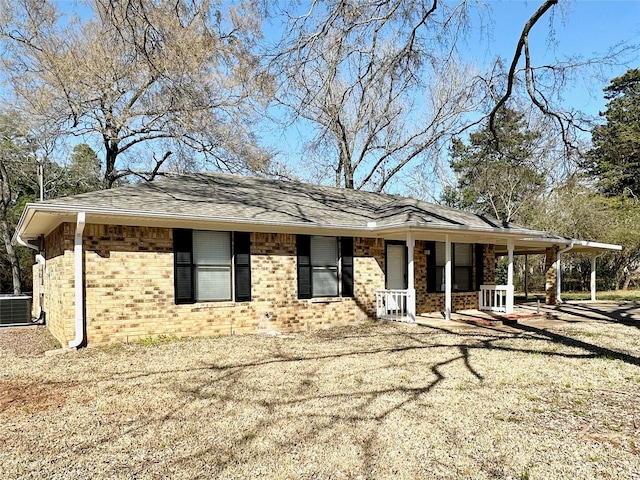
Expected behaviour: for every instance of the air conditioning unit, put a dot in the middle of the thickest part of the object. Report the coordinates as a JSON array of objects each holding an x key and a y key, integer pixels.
[{"x": 15, "y": 309}]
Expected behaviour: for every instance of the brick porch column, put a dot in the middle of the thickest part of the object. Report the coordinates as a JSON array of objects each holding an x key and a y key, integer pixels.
[{"x": 550, "y": 275}]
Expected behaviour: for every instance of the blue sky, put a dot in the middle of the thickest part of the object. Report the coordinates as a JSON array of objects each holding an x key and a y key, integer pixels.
[
  {"x": 577, "y": 27},
  {"x": 574, "y": 28}
]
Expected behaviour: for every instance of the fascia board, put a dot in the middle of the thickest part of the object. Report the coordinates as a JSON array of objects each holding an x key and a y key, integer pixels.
[
  {"x": 596, "y": 245},
  {"x": 457, "y": 229},
  {"x": 368, "y": 230}
]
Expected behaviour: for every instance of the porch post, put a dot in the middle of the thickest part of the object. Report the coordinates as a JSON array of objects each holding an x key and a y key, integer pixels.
[
  {"x": 526, "y": 277},
  {"x": 447, "y": 279},
  {"x": 509, "y": 305},
  {"x": 593, "y": 277},
  {"x": 558, "y": 279},
  {"x": 411, "y": 291}
]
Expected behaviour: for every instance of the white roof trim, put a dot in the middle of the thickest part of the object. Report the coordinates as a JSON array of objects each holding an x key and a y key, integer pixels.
[
  {"x": 368, "y": 229},
  {"x": 568, "y": 241},
  {"x": 32, "y": 209}
]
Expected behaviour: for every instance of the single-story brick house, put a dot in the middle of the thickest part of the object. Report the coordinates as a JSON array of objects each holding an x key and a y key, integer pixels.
[{"x": 209, "y": 254}]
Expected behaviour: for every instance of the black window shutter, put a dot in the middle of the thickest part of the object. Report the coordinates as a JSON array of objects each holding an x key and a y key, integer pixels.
[
  {"x": 431, "y": 266},
  {"x": 479, "y": 265},
  {"x": 346, "y": 249},
  {"x": 242, "y": 260},
  {"x": 304, "y": 266},
  {"x": 183, "y": 266}
]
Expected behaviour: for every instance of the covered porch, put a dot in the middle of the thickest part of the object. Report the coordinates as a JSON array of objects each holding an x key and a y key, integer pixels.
[{"x": 400, "y": 304}]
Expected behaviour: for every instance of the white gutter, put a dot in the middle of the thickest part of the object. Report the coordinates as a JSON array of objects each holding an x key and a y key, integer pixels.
[
  {"x": 20, "y": 241},
  {"x": 78, "y": 282},
  {"x": 576, "y": 243},
  {"x": 370, "y": 226},
  {"x": 558, "y": 274}
]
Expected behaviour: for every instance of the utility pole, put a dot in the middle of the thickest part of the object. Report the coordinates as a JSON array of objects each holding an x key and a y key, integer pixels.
[{"x": 40, "y": 162}]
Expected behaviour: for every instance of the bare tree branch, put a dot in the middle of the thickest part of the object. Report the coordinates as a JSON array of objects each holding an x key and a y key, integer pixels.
[
  {"x": 138, "y": 73},
  {"x": 522, "y": 41}
]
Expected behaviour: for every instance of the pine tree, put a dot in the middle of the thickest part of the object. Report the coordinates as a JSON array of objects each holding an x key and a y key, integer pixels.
[
  {"x": 496, "y": 174},
  {"x": 614, "y": 160}
]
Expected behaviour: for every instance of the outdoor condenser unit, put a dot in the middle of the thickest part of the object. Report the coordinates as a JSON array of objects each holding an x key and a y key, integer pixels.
[{"x": 15, "y": 309}]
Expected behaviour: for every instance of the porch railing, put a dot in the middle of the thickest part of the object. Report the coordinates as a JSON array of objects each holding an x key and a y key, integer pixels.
[
  {"x": 496, "y": 298},
  {"x": 392, "y": 305}
]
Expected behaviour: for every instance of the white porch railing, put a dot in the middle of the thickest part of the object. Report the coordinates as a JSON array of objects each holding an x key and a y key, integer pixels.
[
  {"x": 496, "y": 298},
  {"x": 392, "y": 305}
]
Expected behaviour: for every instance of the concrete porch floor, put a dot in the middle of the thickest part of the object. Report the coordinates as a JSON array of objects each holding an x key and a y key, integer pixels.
[
  {"x": 539, "y": 314},
  {"x": 475, "y": 318}
]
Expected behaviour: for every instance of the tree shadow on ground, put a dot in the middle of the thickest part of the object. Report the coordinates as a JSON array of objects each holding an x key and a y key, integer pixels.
[
  {"x": 363, "y": 403},
  {"x": 596, "y": 350},
  {"x": 624, "y": 313}
]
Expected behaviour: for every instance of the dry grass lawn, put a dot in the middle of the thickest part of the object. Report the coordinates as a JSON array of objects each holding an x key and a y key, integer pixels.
[{"x": 380, "y": 401}]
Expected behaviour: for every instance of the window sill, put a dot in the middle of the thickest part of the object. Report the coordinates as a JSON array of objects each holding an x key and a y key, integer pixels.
[
  {"x": 211, "y": 305},
  {"x": 326, "y": 299},
  {"x": 456, "y": 291}
]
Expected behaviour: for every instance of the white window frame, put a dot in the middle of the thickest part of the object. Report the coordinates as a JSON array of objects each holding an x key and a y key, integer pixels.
[
  {"x": 226, "y": 266},
  {"x": 318, "y": 267}
]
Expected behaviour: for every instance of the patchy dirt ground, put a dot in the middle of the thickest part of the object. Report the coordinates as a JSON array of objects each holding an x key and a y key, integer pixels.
[
  {"x": 535, "y": 401},
  {"x": 26, "y": 341}
]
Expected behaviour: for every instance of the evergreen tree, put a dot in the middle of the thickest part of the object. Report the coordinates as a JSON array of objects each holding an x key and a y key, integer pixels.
[
  {"x": 614, "y": 161},
  {"x": 16, "y": 165},
  {"x": 84, "y": 172},
  {"x": 496, "y": 174}
]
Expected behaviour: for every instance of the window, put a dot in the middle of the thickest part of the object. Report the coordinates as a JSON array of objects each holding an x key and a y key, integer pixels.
[
  {"x": 205, "y": 267},
  {"x": 212, "y": 264},
  {"x": 325, "y": 266},
  {"x": 461, "y": 271},
  {"x": 462, "y": 267}
]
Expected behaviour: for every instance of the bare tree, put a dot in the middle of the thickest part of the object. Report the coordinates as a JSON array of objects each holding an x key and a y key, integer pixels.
[
  {"x": 379, "y": 79},
  {"x": 17, "y": 165},
  {"x": 142, "y": 79},
  {"x": 382, "y": 84}
]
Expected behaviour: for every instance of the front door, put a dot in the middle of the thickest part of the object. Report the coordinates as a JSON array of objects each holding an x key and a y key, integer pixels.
[
  {"x": 396, "y": 266},
  {"x": 396, "y": 275}
]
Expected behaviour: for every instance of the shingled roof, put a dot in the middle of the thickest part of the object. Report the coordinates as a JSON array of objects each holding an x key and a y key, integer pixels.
[
  {"x": 231, "y": 202},
  {"x": 248, "y": 199}
]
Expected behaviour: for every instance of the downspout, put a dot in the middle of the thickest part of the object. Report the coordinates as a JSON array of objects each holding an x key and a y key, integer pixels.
[
  {"x": 558, "y": 274},
  {"x": 40, "y": 260},
  {"x": 78, "y": 282}
]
